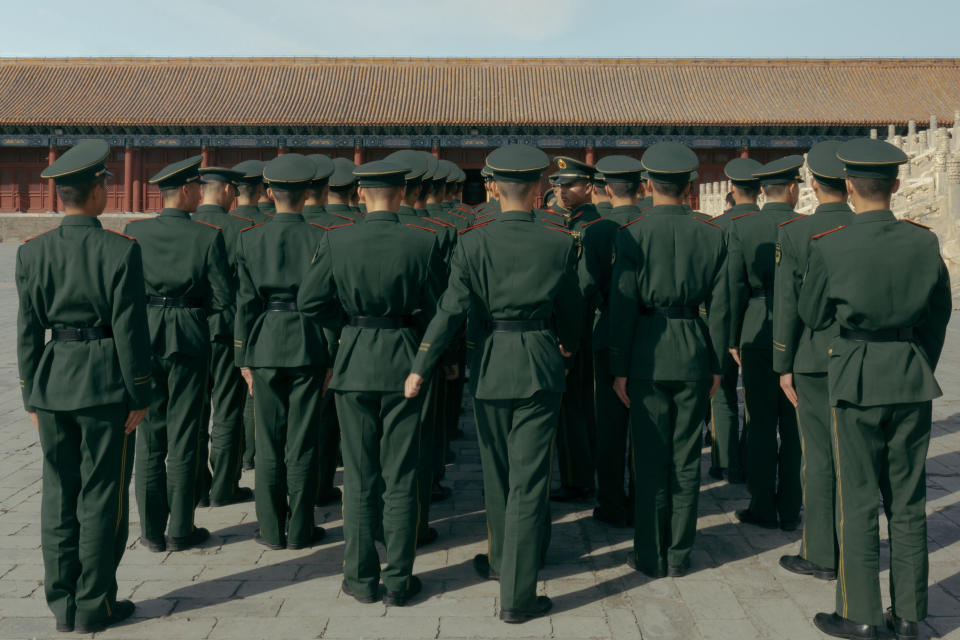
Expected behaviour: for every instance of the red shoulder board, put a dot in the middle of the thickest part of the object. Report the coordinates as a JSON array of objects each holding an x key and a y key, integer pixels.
[
  {"x": 253, "y": 227},
  {"x": 624, "y": 226},
  {"x": 441, "y": 222},
  {"x": 562, "y": 230},
  {"x": 120, "y": 234},
  {"x": 341, "y": 216},
  {"x": 744, "y": 215},
  {"x": 209, "y": 225},
  {"x": 241, "y": 217},
  {"x": 40, "y": 234},
  {"x": 486, "y": 215},
  {"x": 554, "y": 223},
  {"x": 645, "y": 208},
  {"x": 464, "y": 208},
  {"x": 416, "y": 226},
  {"x": 915, "y": 223},
  {"x": 454, "y": 213},
  {"x": 705, "y": 221},
  {"x": 587, "y": 224},
  {"x": 475, "y": 226},
  {"x": 783, "y": 224},
  {"x": 318, "y": 226},
  {"x": 826, "y": 233},
  {"x": 337, "y": 226},
  {"x": 556, "y": 213}
]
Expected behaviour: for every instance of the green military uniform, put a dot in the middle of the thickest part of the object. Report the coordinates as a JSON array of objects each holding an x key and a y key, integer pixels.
[
  {"x": 800, "y": 351},
  {"x": 86, "y": 284},
  {"x": 773, "y": 470},
  {"x": 287, "y": 355},
  {"x": 883, "y": 282},
  {"x": 668, "y": 265},
  {"x": 227, "y": 392},
  {"x": 515, "y": 274},
  {"x": 189, "y": 299},
  {"x": 385, "y": 276},
  {"x": 317, "y": 213},
  {"x": 725, "y": 453},
  {"x": 252, "y": 171}
]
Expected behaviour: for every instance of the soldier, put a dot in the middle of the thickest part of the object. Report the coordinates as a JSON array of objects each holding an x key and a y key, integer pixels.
[
  {"x": 773, "y": 471},
  {"x": 577, "y": 436},
  {"x": 725, "y": 454},
  {"x": 227, "y": 391},
  {"x": 85, "y": 390},
  {"x": 283, "y": 357},
  {"x": 646, "y": 199},
  {"x": 189, "y": 299},
  {"x": 599, "y": 197},
  {"x": 343, "y": 188},
  {"x": 314, "y": 210},
  {"x": 665, "y": 357},
  {"x": 883, "y": 282},
  {"x": 800, "y": 356},
  {"x": 621, "y": 185},
  {"x": 266, "y": 206},
  {"x": 386, "y": 275},
  {"x": 529, "y": 272}
]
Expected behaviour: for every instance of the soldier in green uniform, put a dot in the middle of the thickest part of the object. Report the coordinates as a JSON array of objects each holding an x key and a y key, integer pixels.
[
  {"x": 773, "y": 468},
  {"x": 343, "y": 188},
  {"x": 283, "y": 356},
  {"x": 646, "y": 199},
  {"x": 599, "y": 197},
  {"x": 85, "y": 390},
  {"x": 516, "y": 274},
  {"x": 267, "y": 207},
  {"x": 621, "y": 186},
  {"x": 725, "y": 454},
  {"x": 189, "y": 299},
  {"x": 883, "y": 283},
  {"x": 577, "y": 436},
  {"x": 800, "y": 356},
  {"x": 314, "y": 210},
  {"x": 227, "y": 391},
  {"x": 386, "y": 276},
  {"x": 665, "y": 357}
]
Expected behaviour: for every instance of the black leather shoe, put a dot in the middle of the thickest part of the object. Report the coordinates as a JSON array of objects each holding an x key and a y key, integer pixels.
[
  {"x": 571, "y": 494},
  {"x": 798, "y": 565},
  {"x": 269, "y": 545},
  {"x": 195, "y": 539},
  {"x": 439, "y": 493},
  {"x": 365, "y": 599},
  {"x": 611, "y": 517},
  {"x": 242, "y": 494},
  {"x": 716, "y": 473},
  {"x": 329, "y": 496},
  {"x": 427, "y": 537},
  {"x": 902, "y": 629},
  {"x": 121, "y": 610},
  {"x": 632, "y": 563},
  {"x": 64, "y": 627},
  {"x": 839, "y": 627},
  {"x": 736, "y": 476},
  {"x": 789, "y": 525},
  {"x": 481, "y": 564},
  {"x": 677, "y": 570},
  {"x": 516, "y": 616},
  {"x": 247, "y": 466},
  {"x": 204, "y": 501},
  {"x": 401, "y": 598},
  {"x": 707, "y": 438},
  {"x": 318, "y": 534},
  {"x": 747, "y": 517},
  {"x": 157, "y": 546}
]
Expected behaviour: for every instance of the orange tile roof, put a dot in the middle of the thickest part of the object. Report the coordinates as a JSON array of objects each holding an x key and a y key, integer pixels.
[{"x": 458, "y": 91}]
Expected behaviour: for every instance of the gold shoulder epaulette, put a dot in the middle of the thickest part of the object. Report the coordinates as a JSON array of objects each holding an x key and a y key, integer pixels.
[
  {"x": 783, "y": 224},
  {"x": 826, "y": 233},
  {"x": 209, "y": 225},
  {"x": 475, "y": 226},
  {"x": 253, "y": 227},
  {"x": 624, "y": 226},
  {"x": 915, "y": 223},
  {"x": 120, "y": 234},
  {"x": 416, "y": 226}
]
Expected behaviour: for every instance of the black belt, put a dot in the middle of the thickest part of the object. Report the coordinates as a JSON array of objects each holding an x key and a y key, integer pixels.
[
  {"x": 673, "y": 313},
  {"x": 515, "y": 326},
  {"x": 176, "y": 303},
  {"x": 82, "y": 334},
  {"x": 761, "y": 293},
  {"x": 381, "y": 322},
  {"x": 282, "y": 305},
  {"x": 881, "y": 335}
]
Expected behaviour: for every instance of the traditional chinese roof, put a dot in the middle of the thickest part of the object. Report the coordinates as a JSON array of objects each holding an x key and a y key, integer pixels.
[{"x": 350, "y": 92}]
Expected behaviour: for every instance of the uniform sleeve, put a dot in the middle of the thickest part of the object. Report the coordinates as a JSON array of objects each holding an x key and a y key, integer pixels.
[
  {"x": 130, "y": 333},
  {"x": 624, "y": 303},
  {"x": 221, "y": 309},
  {"x": 317, "y": 298},
  {"x": 249, "y": 307},
  {"x": 569, "y": 304},
  {"x": 718, "y": 312},
  {"x": 814, "y": 305},
  {"x": 932, "y": 332},
  {"x": 739, "y": 285},
  {"x": 595, "y": 268},
  {"x": 786, "y": 288},
  {"x": 30, "y": 334}
]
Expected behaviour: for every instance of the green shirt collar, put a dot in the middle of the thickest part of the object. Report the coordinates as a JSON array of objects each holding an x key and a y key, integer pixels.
[
  {"x": 211, "y": 208},
  {"x": 169, "y": 212},
  {"x": 668, "y": 209},
  {"x": 776, "y": 206},
  {"x": 833, "y": 207},
  {"x": 381, "y": 216},
  {"x": 515, "y": 216},
  {"x": 314, "y": 208},
  {"x": 879, "y": 215},
  {"x": 288, "y": 217},
  {"x": 79, "y": 220}
]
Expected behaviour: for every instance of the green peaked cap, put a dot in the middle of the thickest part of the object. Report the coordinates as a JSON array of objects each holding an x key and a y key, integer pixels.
[
  {"x": 381, "y": 173},
  {"x": 178, "y": 174},
  {"x": 740, "y": 172},
  {"x": 323, "y": 166},
  {"x": 781, "y": 171},
  {"x": 414, "y": 161},
  {"x": 517, "y": 163},
  {"x": 618, "y": 169},
  {"x": 219, "y": 174},
  {"x": 342, "y": 173},
  {"x": 669, "y": 162},
  {"x": 83, "y": 162},
  {"x": 570, "y": 170},
  {"x": 289, "y": 172},
  {"x": 869, "y": 158},
  {"x": 251, "y": 170}
]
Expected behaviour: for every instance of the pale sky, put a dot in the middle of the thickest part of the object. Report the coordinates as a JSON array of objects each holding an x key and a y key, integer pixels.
[{"x": 493, "y": 28}]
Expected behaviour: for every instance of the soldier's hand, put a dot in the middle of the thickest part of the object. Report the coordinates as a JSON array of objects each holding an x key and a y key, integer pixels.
[
  {"x": 620, "y": 388},
  {"x": 134, "y": 418},
  {"x": 786, "y": 383},
  {"x": 736, "y": 356},
  {"x": 451, "y": 372},
  {"x": 715, "y": 385},
  {"x": 411, "y": 388},
  {"x": 33, "y": 418},
  {"x": 326, "y": 381},
  {"x": 248, "y": 378},
  {"x": 565, "y": 353}
]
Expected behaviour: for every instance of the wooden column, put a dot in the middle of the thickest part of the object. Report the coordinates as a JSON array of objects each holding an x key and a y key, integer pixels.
[
  {"x": 51, "y": 187},
  {"x": 127, "y": 179},
  {"x": 358, "y": 154},
  {"x": 744, "y": 153},
  {"x": 282, "y": 149},
  {"x": 435, "y": 150},
  {"x": 591, "y": 156},
  {"x": 136, "y": 204},
  {"x": 205, "y": 154}
]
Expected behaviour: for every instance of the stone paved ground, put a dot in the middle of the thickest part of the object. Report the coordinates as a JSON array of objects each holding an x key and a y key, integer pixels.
[{"x": 234, "y": 588}]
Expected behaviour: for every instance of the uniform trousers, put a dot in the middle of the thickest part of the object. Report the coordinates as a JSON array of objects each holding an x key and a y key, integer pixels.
[
  {"x": 228, "y": 390},
  {"x": 577, "y": 437},
  {"x": 725, "y": 421},
  {"x": 329, "y": 445},
  {"x": 613, "y": 420},
  {"x": 84, "y": 512},
  {"x": 249, "y": 430}
]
